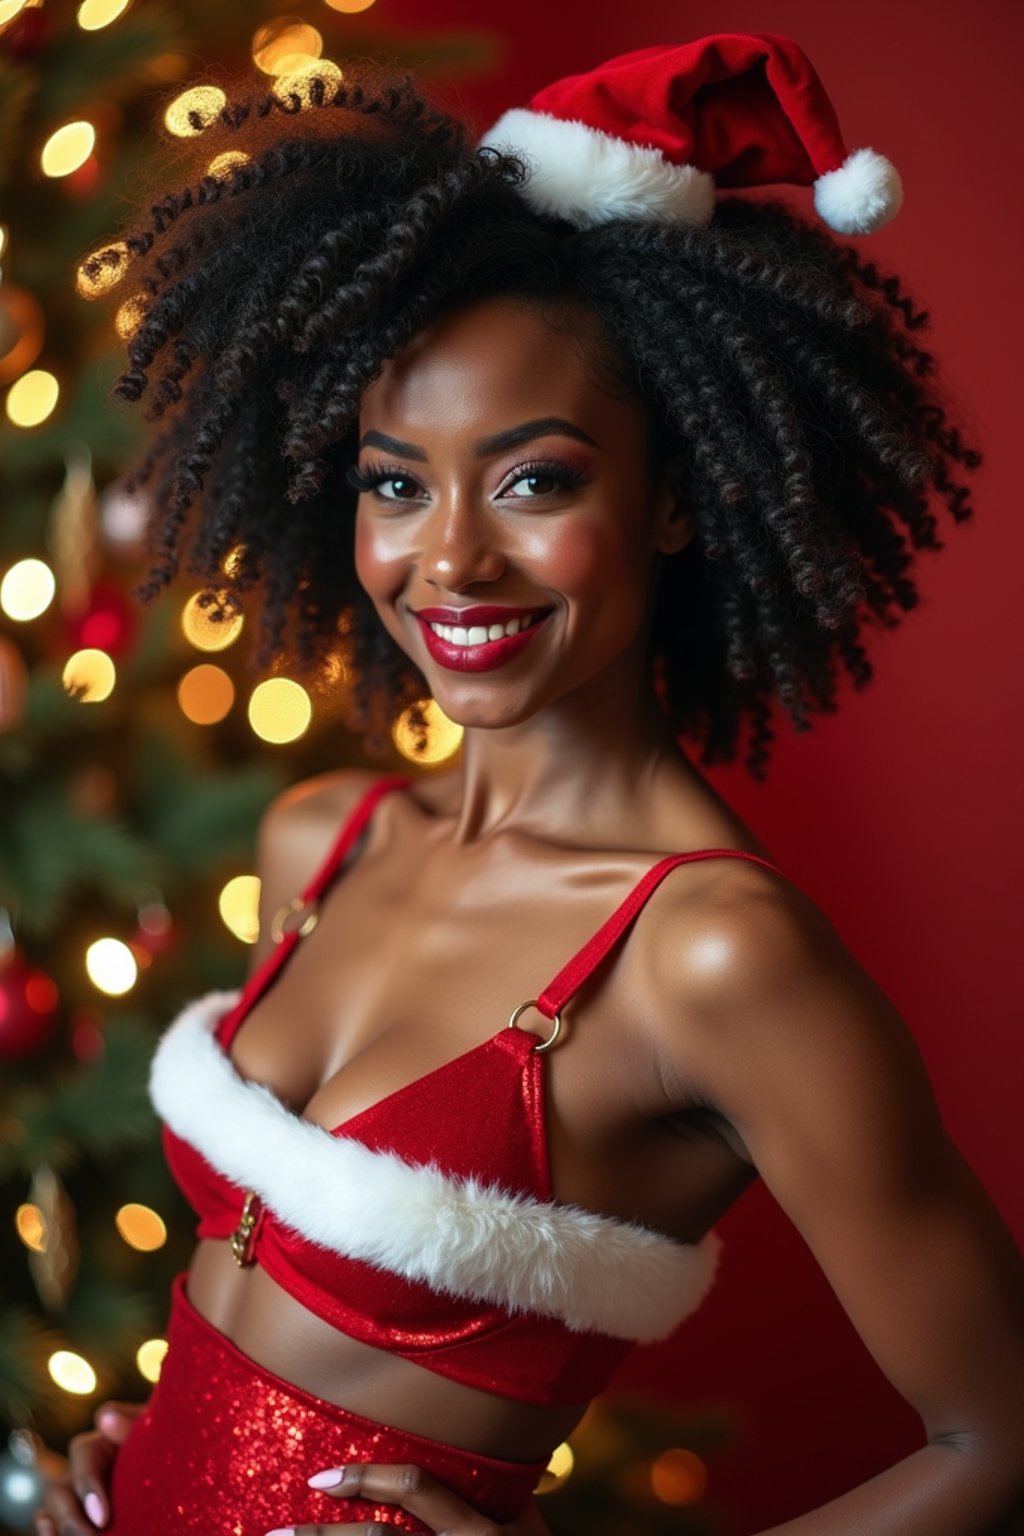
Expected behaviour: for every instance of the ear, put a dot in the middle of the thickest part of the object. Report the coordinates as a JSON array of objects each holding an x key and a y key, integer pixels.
[{"x": 674, "y": 521}]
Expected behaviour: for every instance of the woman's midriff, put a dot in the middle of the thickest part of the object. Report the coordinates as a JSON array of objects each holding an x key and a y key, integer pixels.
[{"x": 271, "y": 1327}]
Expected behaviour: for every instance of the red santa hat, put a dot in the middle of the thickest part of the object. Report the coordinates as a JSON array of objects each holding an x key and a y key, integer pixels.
[{"x": 653, "y": 133}]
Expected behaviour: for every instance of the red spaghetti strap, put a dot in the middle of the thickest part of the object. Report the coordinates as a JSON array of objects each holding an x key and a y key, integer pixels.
[
  {"x": 572, "y": 976},
  {"x": 258, "y": 981}
]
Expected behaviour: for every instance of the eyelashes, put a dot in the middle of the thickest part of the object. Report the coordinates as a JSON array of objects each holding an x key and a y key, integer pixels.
[{"x": 375, "y": 475}]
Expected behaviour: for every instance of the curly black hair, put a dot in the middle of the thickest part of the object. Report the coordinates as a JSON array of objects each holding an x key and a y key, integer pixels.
[{"x": 778, "y": 364}]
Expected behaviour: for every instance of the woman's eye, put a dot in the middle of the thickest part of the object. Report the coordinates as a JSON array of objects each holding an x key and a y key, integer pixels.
[
  {"x": 542, "y": 482},
  {"x": 398, "y": 481}
]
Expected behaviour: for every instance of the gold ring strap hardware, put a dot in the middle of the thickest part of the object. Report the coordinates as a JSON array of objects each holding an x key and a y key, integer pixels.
[
  {"x": 544, "y": 1045},
  {"x": 280, "y": 924}
]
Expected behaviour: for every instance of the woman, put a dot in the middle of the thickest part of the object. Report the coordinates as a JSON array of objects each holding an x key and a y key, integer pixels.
[{"x": 623, "y": 464}]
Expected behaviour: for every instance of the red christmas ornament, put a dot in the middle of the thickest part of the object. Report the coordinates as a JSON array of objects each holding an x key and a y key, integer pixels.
[{"x": 28, "y": 1008}]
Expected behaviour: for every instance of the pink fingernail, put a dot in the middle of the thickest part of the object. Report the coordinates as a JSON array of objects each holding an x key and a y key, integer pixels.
[
  {"x": 329, "y": 1479},
  {"x": 94, "y": 1508},
  {"x": 285, "y": 1530}
]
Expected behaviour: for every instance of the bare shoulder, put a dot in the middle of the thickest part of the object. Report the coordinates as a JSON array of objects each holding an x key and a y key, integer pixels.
[
  {"x": 295, "y": 835},
  {"x": 762, "y": 996}
]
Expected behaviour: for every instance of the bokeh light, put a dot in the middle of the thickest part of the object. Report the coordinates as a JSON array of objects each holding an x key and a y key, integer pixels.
[
  {"x": 27, "y": 590},
  {"x": 105, "y": 274},
  {"x": 31, "y": 1227},
  {"x": 71, "y": 1372},
  {"x": 90, "y": 675},
  {"x": 149, "y": 1357},
  {"x": 279, "y": 710},
  {"x": 68, "y": 148},
  {"x": 206, "y": 694},
  {"x": 443, "y": 736},
  {"x": 130, "y": 316},
  {"x": 558, "y": 1469},
  {"x": 285, "y": 44},
  {"x": 349, "y": 7},
  {"x": 239, "y": 907},
  {"x": 141, "y": 1227},
  {"x": 202, "y": 102},
  {"x": 223, "y": 162},
  {"x": 32, "y": 398},
  {"x": 206, "y": 632},
  {"x": 9, "y": 9},
  {"x": 94, "y": 14},
  {"x": 678, "y": 1477},
  {"x": 299, "y": 80},
  {"x": 111, "y": 966}
]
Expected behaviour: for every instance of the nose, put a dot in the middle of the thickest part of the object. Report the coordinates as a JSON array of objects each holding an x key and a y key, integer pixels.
[{"x": 460, "y": 546}]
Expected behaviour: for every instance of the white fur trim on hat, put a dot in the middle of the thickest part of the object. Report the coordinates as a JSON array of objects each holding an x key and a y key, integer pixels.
[
  {"x": 862, "y": 195},
  {"x": 585, "y": 176},
  {"x": 459, "y": 1235}
]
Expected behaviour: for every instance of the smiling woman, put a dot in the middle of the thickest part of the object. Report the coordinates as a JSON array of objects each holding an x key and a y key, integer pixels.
[{"x": 600, "y": 463}]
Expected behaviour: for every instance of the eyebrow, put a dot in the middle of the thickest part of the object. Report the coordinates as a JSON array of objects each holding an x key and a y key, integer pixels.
[{"x": 512, "y": 437}]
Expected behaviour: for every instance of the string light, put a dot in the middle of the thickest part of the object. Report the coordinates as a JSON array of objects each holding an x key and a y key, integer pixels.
[
  {"x": 206, "y": 632},
  {"x": 90, "y": 675},
  {"x": 68, "y": 148},
  {"x": 32, "y": 398},
  {"x": 71, "y": 1372},
  {"x": 443, "y": 736},
  {"x": 27, "y": 590},
  {"x": 239, "y": 907},
  {"x": 200, "y": 101},
  {"x": 141, "y": 1227},
  {"x": 205, "y": 694},
  {"x": 111, "y": 966},
  {"x": 30, "y": 1226},
  {"x": 149, "y": 1357},
  {"x": 94, "y": 14},
  {"x": 678, "y": 1477},
  {"x": 279, "y": 710}
]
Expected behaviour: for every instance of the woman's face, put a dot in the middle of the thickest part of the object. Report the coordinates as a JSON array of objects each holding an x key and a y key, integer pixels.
[{"x": 509, "y": 488}]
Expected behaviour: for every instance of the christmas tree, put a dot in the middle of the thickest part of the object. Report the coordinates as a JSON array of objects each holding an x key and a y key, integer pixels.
[{"x": 136, "y": 754}]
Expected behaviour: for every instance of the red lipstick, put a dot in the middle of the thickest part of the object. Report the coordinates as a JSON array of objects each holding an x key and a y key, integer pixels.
[{"x": 489, "y": 653}]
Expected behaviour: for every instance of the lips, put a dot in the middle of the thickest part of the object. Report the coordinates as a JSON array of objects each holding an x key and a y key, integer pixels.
[{"x": 489, "y": 653}]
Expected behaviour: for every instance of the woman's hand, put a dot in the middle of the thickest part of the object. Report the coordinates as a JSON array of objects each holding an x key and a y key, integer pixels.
[
  {"x": 78, "y": 1504},
  {"x": 419, "y": 1494}
]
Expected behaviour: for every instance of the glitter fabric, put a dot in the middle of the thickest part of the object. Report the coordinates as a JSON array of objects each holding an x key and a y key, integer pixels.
[{"x": 224, "y": 1448}]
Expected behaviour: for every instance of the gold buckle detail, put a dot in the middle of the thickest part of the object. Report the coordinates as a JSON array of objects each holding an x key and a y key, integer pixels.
[
  {"x": 242, "y": 1236},
  {"x": 544, "y": 1045},
  {"x": 278, "y": 927}
]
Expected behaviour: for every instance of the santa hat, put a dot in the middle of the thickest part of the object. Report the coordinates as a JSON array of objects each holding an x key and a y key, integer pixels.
[{"x": 652, "y": 134}]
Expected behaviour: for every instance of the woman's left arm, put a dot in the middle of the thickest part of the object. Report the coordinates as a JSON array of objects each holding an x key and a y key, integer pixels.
[{"x": 813, "y": 1065}]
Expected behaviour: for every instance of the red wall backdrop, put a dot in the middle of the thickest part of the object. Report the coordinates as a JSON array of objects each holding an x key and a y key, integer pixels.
[{"x": 899, "y": 815}]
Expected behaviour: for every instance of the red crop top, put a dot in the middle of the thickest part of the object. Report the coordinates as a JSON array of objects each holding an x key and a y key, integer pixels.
[{"x": 425, "y": 1224}]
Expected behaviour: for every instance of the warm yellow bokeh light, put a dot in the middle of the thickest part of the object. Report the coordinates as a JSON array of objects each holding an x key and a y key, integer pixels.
[
  {"x": 3, "y": 238},
  {"x": 205, "y": 101},
  {"x": 141, "y": 1227},
  {"x": 279, "y": 710},
  {"x": 68, "y": 148},
  {"x": 285, "y": 44},
  {"x": 232, "y": 561},
  {"x": 9, "y": 9},
  {"x": 105, "y": 274},
  {"x": 111, "y": 967},
  {"x": 205, "y": 694},
  {"x": 204, "y": 631},
  {"x": 90, "y": 675},
  {"x": 239, "y": 907},
  {"x": 27, "y": 590},
  {"x": 300, "y": 80},
  {"x": 149, "y": 1357},
  {"x": 221, "y": 163},
  {"x": 31, "y": 1227},
  {"x": 678, "y": 1477},
  {"x": 71, "y": 1372},
  {"x": 32, "y": 398},
  {"x": 130, "y": 316},
  {"x": 94, "y": 14},
  {"x": 444, "y": 737},
  {"x": 349, "y": 7}
]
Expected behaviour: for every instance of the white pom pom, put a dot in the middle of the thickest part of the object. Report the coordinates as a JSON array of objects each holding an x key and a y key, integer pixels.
[{"x": 862, "y": 195}]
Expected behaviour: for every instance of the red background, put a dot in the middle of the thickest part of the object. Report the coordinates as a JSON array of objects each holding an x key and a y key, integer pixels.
[{"x": 898, "y": 814}]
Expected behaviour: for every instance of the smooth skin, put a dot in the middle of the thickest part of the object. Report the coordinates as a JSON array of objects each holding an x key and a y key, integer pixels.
[{"x": 734, "y": 1036}]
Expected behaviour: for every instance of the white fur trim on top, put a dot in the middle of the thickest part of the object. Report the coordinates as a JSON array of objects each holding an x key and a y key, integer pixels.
[
  {"x": 460, "y": 1236},
  {"x": 864, "y": 193},
  {"x": 586, "y": 176}
]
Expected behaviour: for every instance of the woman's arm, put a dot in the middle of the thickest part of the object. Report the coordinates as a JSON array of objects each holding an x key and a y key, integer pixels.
[{"x": 810, "y": 1061}]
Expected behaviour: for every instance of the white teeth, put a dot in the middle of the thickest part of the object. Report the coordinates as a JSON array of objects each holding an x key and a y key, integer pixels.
[{"x": 458, "y": 635}]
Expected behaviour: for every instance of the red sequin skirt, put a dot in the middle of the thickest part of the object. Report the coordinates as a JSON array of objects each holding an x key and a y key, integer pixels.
[{"x": 224, "y": 1448}]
